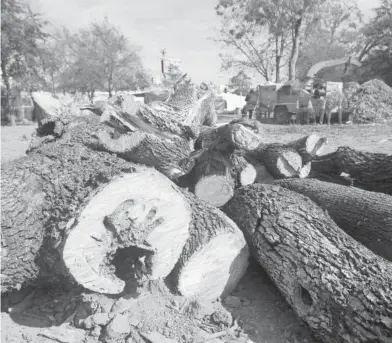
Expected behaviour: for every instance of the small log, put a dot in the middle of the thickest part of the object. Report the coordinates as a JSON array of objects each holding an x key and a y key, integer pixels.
[
  {"x": 145, "y": 148},
  {"x": 340, "y": 288},
  {"x": 369, "y": 171},
  {"x": 364, "y": 215},
  {"x": 243, "y": 172},
  {"x": 309, "y": 146},
  {"x": 280, "y": 160},
  {"x": 227, "y": 138},
  {"x": 262, "y": 174},
  {"x": 215, "y": 256},
  {"x": 211, "y": 178}
]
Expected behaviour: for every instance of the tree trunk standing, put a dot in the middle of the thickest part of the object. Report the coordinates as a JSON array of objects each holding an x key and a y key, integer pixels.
[
  {"x": 7, "y": 98},
  {"x": 369, "y": 171},
  {"x": 278, "y": 58},
  {"x": 364, "y": 215},
  {"x": 336, "y": 285},
  {"x": 295, "y": 49}
]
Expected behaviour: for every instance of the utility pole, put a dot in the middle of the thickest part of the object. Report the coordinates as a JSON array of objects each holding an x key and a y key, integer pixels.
[{"x": 163, "y": 52}]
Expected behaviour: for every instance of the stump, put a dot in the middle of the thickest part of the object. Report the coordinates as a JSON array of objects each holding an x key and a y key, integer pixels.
[
  {"x": 340, "y": 288},
  {"x": 369, "y": 171},
  {"x": 364, "y": 215}
]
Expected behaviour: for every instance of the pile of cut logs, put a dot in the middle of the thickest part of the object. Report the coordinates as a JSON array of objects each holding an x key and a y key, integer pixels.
[{"x": 183, "y": 198}]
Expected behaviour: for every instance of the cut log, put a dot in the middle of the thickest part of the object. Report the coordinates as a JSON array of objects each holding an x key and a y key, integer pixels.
[
  {"x": 151, "y": 150},
  {"x": 262, "y": 174},
  {"x": 336, "y": 285},
  {"x": 44, "y": 192},
  {"x": 251, "y": 124},
  {"x": 51, "y": 114},
  {"x": 309, "y": 146},
  {"x": 227, "y": 138},
  {"x": 305, "y": 170},
  {"x": 281, "y": 161},
  {"x": 369, "y": 171},
  {"x": 214, "y": 258},
  {"x": 364, "y": 215},
  {"x": 142, "y": 212},
  {"x": 242, "y": 172},
  {"x": 211, "y": 178}
]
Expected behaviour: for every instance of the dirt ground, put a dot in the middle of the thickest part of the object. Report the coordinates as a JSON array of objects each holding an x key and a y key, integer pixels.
[{"x": 256, "y": 303}]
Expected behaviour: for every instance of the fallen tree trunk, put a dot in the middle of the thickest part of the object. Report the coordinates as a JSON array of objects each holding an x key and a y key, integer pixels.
[
  {"x": 369, "y": 171},
  {"x": 43, "y": 194},
  {"x": 227, "y": 138},
  {"x": 215, "y": 256},
  {"x": 153, "y": 151},
  {"x": 364, "y": 215},
  {"x": 335, "y": 284},
  {"x": 281, "y": 161},
  {"x": 72, "y": 213}
]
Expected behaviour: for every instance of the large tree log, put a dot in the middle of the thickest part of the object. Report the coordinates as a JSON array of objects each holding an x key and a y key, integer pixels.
[
  {"x": 369, "y": 171},
  {"x": 151, "y": 150},
  {"x": 43, "y": 193},
  {"x": 70, "y": 211},
  {"x": 214, "y": 258},
  {"x": 335, "y": 284},
  {"x": 364, "y": 215}
]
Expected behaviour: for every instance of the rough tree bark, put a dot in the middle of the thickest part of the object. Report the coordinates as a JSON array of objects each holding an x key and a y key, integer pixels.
[
  {"x": 335, "y": 284},
  {"x": 227, "y": 138},
  {"x": 280, "y": 161},
  {"x": 364, "y": 215},
  {"x": 68, "y": 209},
  {"x": 211, "y": 179},
  {"x": 148, "y": 149},
  {"x": 369, "y": 171}
]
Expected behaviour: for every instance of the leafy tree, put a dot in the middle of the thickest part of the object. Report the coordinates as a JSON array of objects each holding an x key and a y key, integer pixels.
[
  {"x": 22, "y": 30},
  {"x": 241, "y": 82},
  {"x": 338, "y": 25},
  {"x": 249, "y": 45},
  {"x": 376, "y": 45},
  {"x": 101, "y": 57}
]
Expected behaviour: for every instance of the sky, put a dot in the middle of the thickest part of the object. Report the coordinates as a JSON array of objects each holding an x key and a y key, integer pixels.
[{"x": 185, "y": 28}]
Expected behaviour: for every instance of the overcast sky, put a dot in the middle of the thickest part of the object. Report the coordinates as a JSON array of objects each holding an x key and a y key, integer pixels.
[{"x": 183, "y": 27}]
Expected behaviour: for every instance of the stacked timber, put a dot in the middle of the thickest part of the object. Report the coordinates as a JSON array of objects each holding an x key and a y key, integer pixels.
[{"x": 139, "y": 193}]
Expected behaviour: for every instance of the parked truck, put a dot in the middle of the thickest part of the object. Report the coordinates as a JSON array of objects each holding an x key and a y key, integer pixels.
[{"x": 281, "y": 103}]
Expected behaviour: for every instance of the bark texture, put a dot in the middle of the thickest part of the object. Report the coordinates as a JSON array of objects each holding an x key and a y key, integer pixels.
[
  {"x": 148, "y": 149},
  {"x": 335, "y": 284},
  {"x": 215, "y": 256},
  {"x": 227, "y": 138},
  {"x": 364, "y": 215},
  {"x": 369, "y": 171},
  {"x": 41, "y": 193},
  {"x": 281, "y": 161},
  {"x": 211, "y": 178}
]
